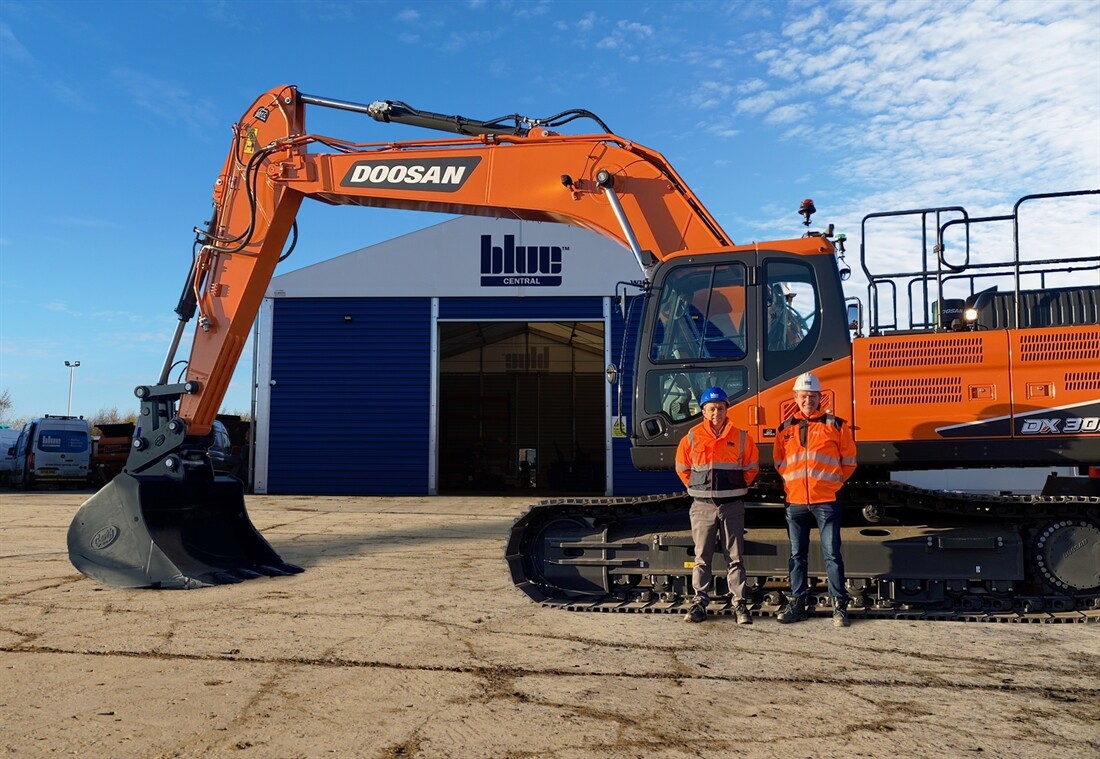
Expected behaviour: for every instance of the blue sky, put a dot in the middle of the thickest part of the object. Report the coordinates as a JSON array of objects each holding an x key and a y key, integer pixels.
[{"x": 115, "y": 116}]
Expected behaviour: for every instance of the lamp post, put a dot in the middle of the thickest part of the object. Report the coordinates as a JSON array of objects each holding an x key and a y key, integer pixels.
[{"x": 72, "y": 367}]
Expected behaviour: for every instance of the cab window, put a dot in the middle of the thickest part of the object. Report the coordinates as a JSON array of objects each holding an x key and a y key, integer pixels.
[
  {"x": 701, "y": 315},
  {"x": 675, "y": 393},
  {"x": 790, "y": 319}
]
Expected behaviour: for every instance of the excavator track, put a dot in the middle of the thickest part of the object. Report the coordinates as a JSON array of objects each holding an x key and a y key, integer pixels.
[{"x": 924, "y": 555}]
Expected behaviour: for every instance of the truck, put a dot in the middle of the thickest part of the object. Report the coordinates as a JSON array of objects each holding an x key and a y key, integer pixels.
[
  {"x": 110, "y": 449},
  {"x": 52, "y": 450},
  {"x": 935, "y": 368}
]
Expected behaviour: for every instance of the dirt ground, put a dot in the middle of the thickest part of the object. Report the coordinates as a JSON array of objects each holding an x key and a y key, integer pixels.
[{"x": 405, "y": 638}]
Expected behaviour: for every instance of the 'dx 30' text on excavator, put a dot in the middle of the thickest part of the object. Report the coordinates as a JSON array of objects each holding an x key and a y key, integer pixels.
[{"x": 997, "y": 379}]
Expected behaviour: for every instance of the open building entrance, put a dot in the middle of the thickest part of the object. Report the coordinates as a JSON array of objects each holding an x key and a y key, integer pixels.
[{"x": 521, "y": 407}]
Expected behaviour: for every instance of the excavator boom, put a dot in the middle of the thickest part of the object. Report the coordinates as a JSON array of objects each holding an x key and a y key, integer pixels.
[{"x": 597, "y": 182}]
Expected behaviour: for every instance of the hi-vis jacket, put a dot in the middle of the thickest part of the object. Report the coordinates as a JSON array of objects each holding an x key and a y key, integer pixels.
[
  {"x": 814, "y": 456},
  {"x": 717, "y": 469}
]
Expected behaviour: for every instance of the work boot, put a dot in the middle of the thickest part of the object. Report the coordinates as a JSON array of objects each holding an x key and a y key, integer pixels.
[
  {"x": 696, "y": 614},
  {"x": 840, "y": 615},
  {"x": 742, "y": 612},
  {"x": 794, "y": 611}
]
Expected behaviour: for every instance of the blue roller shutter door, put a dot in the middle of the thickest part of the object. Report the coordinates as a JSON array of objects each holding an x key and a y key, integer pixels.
[{"x": 350, "y": 404}]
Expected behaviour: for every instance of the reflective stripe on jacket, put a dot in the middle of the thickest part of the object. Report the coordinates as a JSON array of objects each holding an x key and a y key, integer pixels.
[
  {"x": 717, "y": 469},
  {"x": 814, "y": 457}
]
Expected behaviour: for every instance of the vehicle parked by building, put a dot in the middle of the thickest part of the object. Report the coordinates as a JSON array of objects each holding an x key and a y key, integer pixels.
[
  {"x": 225, "y": 451},
  {"x": 54, "y": 450},
  {"x": 109, "y": 450},
  {"x": 8, "y": 437},
  {"x": 111, "y": 446}
]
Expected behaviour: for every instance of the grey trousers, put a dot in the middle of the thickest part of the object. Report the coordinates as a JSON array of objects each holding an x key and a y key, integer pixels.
[{"x": 725, "y": 523}]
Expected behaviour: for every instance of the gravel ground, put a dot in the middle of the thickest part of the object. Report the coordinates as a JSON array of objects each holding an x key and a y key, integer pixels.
[{"x": 405, "y": 638}]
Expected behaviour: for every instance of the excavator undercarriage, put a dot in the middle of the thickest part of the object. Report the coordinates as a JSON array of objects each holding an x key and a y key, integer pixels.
[{"x": 989, "y": 559}]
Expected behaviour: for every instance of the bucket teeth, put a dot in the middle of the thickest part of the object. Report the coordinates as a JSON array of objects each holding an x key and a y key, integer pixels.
[
  {"x": 280, "y": 570},
  {"x": 246, "y": 574}
]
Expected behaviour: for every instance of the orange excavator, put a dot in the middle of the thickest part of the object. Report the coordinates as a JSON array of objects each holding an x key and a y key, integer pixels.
[{"x": 995, "y": 379}]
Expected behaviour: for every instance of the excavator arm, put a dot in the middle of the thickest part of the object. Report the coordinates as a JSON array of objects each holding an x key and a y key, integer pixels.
[{"x": 166, "y": 521}]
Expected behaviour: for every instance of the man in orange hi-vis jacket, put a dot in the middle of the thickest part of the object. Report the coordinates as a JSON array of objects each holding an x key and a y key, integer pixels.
[
  {"x": 815, "y": 454},
  {"x": 717, "y": 462}
]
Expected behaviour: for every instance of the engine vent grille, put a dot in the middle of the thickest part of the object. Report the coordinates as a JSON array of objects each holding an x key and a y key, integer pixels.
[
  {"x": 1082, "y": 380},
  {"x": 909, "y": 392},
  {"x": 1060, "y": 346},
  {"x": 927, "y": 352}
]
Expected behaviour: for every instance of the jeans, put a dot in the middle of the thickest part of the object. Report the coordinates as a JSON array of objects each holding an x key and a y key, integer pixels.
[
  {"x": 800, "y": 520},
  {"x": 724, "y": 524}
]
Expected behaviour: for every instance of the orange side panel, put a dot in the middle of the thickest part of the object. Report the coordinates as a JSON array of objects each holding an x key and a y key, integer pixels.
[
  {"x": 970, "y": 384},
  {"x": 1055, "y": 367},
  {"x": 909, "y": 386}
]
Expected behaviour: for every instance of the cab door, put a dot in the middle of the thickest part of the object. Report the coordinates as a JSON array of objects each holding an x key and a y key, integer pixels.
[
  {"x": 803, "y": 323},
  {"x": 698, "y": 332}
]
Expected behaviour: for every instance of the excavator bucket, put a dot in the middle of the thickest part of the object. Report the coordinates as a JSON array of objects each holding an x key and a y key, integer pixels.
[{"x": 155, "y": 532}]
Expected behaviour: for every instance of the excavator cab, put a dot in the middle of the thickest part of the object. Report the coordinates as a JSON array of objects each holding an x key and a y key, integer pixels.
[{"x": 747, "y": 319}]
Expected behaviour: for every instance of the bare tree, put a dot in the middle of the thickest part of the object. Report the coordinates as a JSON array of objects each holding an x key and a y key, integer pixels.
[{"x": 111, "y": 416}]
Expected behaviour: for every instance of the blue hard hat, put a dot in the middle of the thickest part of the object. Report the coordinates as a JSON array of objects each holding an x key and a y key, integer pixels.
[{"x": 713, "y": 395}]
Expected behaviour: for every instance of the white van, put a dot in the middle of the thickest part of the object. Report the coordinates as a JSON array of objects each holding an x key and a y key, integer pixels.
[
  {"x": 52, "y": 450},
  {"x": 8, "y": 437}
]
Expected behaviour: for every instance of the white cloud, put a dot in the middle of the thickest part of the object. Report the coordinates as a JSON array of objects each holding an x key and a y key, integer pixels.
[
  {"x": 625, "y": 35},
  {"x": 786, "y": 114},
  {"x": 457, "y": 42},
  {"x": 946, "y": 98},
  {"x": 526, "y": 9},
  {"x": 809, "y": 25},
  {"x": 11, "y": 47},
  {"x": 762, "y": 102},
  {"x": 166, "y": 100},
  {"x": 749, "y": 86},
  {"x": 708, "y": 94}
]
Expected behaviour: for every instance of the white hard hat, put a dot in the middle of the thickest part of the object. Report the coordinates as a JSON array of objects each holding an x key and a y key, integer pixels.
[{"x": 808, "y": 382}]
